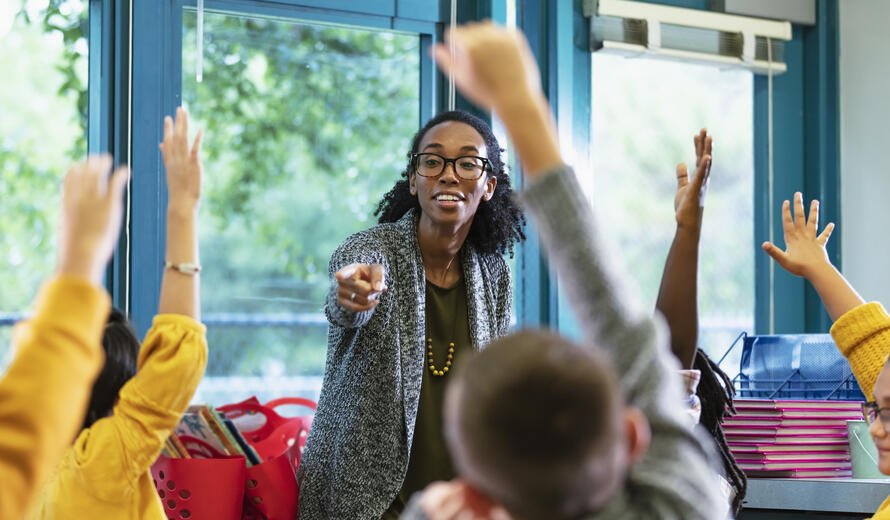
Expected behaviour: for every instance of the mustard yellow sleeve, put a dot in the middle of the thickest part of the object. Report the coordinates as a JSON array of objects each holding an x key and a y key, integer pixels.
[
  {"x": 112, "y": 454},
  {"x": 863, "y": 337},
  {"x": 45, "y": 391}
]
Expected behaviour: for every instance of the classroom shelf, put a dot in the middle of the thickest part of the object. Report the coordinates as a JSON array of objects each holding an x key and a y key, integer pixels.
[{"x": 847, "y": 496}]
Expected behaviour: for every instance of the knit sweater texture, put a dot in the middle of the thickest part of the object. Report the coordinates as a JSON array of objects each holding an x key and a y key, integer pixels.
[
  {"x": 863, "y": 337},
  {"x": 357, "y": 451}
]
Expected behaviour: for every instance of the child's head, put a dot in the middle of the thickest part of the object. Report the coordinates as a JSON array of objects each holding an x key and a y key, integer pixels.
[
  {"x": 876, "y": 429},
  {"x": 538, "y": 424},
  {"x": 121, "y": 354}
]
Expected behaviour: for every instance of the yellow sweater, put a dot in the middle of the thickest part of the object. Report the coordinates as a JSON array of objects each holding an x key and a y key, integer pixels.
[
  {"x": 105, "y": 474},
  {"x": 45, "y": 391},
  {"x": 863, "y": 336}
]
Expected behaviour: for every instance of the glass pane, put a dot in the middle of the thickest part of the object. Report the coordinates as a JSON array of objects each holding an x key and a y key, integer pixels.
[
  {"x": 42, "y": 129},
  {"x": 306, "y": 127},
  {"x": 645, "y": 113}
]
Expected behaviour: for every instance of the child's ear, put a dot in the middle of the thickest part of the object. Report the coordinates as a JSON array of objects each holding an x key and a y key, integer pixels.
[{"x": 638, "y": 433}]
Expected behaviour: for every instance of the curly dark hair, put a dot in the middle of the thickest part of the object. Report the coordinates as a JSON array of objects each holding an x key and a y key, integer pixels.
[{"x": 498, "y": 223}]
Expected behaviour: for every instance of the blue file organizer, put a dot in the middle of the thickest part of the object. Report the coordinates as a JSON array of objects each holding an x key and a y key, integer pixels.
[{"x": 793, "y": 366}]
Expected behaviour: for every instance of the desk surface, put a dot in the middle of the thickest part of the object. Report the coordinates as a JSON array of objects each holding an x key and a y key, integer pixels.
[{"x": 829, "y": 495}]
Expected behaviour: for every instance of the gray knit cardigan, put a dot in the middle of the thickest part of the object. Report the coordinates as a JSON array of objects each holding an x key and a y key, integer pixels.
[{"x": 357, "y": 452}]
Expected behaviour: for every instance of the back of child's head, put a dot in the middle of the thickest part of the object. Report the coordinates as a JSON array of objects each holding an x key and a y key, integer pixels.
[
  {"x": 121, "y": 356},
  {"x": 536, "y": 423}
]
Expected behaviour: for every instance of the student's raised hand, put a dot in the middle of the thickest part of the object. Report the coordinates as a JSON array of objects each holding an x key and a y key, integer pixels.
[
  {"x": 360, "y": 286},
  {"x": 92, "y": 207},
  {"x": 689, "y": 202},
  {"x": 805, "y": 252},
  {"x": 492, "y": 66},
  {"x": 457, "y": 500},
  {"x": 183, "y": 164}
]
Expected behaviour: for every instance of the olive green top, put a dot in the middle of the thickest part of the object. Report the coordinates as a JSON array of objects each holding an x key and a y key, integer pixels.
[{"x": 446, "y": 322}]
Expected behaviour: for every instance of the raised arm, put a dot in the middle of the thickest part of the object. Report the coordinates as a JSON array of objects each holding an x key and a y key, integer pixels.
[
  {"x": 494, "y": 68},
  {"x": 174, "y": 352},
  {"x": 58, "y": 351},
  {"x": 179, "y": 287},
  {"x": 805, "y": 255},
  {"x": 861, "y": 331},
  {"x": 678, "y": 294}
]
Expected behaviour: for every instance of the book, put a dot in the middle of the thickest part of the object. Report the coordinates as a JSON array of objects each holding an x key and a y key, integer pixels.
[
  {"x": 781, "y": 421},
  {"x": 782, "y": 431},
  {"x": 249, "y": 452},
  {"x": 782, "y": 404},
  {"x": 218, "y": 430},
  {"x": 170, "y": 450},
  {"x": 798, "y": 473},
  {"x": 763, "y": 413},
  {"x": 792, "y": 457},
  {"x": 193, "y": 424},
  {"x": 829, "y": 446},
  {"x": 181, "y": 450},
  {"x": 813, "y": 465},
  {"x": 789, "y": 440}
]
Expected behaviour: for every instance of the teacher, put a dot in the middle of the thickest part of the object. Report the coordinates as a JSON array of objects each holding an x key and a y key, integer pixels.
[{"x": 409, "y": 297}]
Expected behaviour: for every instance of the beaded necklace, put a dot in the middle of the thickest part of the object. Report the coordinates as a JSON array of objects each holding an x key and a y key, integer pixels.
[{"x": 429, "y": 340}]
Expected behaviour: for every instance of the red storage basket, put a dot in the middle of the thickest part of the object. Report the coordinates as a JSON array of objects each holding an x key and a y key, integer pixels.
[{"x": 201, "y": 488}]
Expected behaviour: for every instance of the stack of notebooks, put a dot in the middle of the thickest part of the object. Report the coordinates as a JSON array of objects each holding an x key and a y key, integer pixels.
[
  {"x": 792, "y": 439},
  {"x": 206, "y": 433}
]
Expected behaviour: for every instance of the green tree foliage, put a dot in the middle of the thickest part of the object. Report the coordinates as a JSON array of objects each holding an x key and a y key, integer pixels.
[
  {"x": 306, "y": 127},
  {"x": 43, "y": 50}
]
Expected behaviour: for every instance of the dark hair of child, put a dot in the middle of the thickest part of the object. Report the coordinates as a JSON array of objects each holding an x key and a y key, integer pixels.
[
  {"x": 535, "y": 423},
  {"x": 715, "y": 391},
  {"x": 121, "y": 357},
  {"x": 498, "y": 223}
]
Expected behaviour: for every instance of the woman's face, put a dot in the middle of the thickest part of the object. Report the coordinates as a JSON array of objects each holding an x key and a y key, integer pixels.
[
  {"x": 448, "y": 199},
  {"x": 877, "y": 431}
]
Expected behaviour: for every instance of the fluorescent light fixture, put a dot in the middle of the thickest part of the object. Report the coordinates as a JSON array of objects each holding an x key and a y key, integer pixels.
[{"x": 632, "y": 29}]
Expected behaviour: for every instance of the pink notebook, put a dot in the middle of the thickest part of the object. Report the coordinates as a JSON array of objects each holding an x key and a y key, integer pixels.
[
  {"x": 834, "y": 447},
  {"x": 798, "y": 473},
  {"x": 789, "y": 440},
  {"x": 783, "y": 431},
  {"x": 810, "y": 456}
]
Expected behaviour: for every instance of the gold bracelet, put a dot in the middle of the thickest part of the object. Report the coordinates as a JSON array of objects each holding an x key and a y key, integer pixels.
[{"x": 184, "y": 268}]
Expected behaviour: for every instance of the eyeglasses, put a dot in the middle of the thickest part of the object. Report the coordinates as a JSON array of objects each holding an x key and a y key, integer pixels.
[
  {"x": 467, "y": 167},
  {"x": 872, "y": 412}
]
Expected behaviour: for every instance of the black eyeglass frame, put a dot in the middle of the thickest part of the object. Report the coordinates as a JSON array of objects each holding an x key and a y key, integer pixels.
[
  {"x": 883, "y": 414},
  {"x": 485, "y": 165}
]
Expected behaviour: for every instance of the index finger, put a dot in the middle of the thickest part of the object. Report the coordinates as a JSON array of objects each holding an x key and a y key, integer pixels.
[
  {"x": 378, "y": 274},
  {"x": 346, "y": 272}
]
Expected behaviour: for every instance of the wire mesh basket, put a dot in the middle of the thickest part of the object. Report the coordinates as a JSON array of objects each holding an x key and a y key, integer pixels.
[{"x": 793, "y": 366}]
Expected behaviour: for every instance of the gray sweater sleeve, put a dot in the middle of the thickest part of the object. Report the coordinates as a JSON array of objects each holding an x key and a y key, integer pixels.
[
  {"x": 360, "y": 248},
  {"x": 674, "y": 479}
]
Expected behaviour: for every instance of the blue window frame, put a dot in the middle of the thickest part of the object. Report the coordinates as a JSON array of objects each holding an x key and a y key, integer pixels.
[
  {"x": 157, "y": 50},
  {"x": 806, "y": 151},
  {"x": 805, "y": 158}
]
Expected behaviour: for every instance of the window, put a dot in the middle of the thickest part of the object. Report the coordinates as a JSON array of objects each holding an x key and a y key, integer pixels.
[
  {"x": 42, "y": 130},
  {"x": 307, "y": 126},
  {"x": 644, "y": 114}
]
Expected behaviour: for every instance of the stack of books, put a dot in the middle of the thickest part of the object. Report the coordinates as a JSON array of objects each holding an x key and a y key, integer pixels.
[
  {"x": 792, "y": 439},
  {"x": 203, "y": 432}
]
